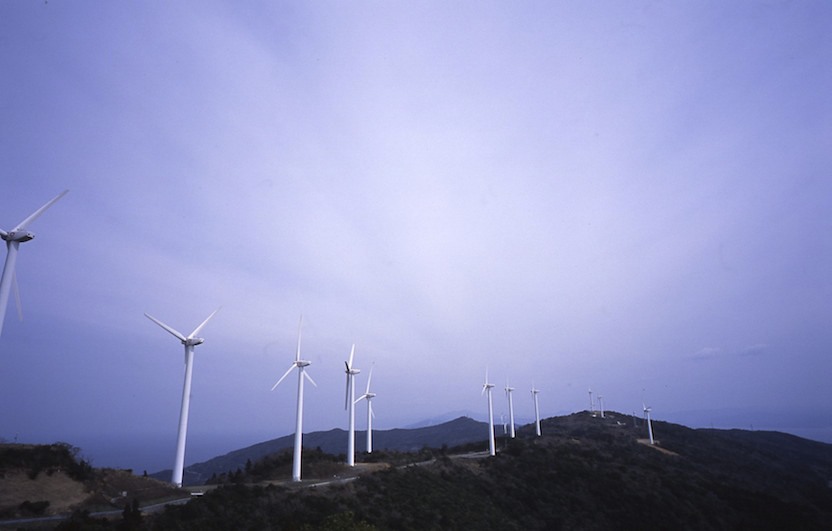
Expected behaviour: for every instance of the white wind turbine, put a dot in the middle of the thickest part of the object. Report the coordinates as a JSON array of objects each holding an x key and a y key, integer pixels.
[
  {"x": 647, "y": 410},
  {"x": 370, "y": 415},
  {"x": 190, "y": 342},
  {"x": 536, "y": 410},
  {"x": 509, "y": 389},
  {"x": 298, "y": 364},
  {"x": 349, "y": 403},
  {"x": 591, "y": 404},
  {"x": 601, "y": 405},
  {"x": 486, "y": 387},
  {"x": 13, "y": 239}
]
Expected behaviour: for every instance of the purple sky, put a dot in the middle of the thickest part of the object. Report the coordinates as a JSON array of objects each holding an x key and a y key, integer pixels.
[{"x": 629, "y": 196}]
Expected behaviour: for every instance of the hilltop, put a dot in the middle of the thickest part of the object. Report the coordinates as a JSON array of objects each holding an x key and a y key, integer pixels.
[{"x": 583, "y": 473}]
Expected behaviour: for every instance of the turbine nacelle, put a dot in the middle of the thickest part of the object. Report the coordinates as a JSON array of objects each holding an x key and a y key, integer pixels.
[
  {"x": 17, "y": 236},
  {"x": 193, "y": 341},
  {"x": 302, "y": 363}
]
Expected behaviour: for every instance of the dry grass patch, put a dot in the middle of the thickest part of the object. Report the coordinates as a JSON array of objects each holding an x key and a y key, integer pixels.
[{"x": 61, "y": 491}]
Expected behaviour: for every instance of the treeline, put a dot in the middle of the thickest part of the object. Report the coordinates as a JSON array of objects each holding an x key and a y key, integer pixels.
[
  {"x": 585, "y": 473},
  {"x": 590, "y": 476},
  {"x": 50, "y": 458}
]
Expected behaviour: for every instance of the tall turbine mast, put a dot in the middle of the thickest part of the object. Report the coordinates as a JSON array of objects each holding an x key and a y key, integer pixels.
[
  {"x": 189, "y": 342},
  {"x": 349, "y": 404},
  {"x": 601, "y": 405},
  {"x": 368, "y": 396},
  {"x": 591, "y": 404},
  {"x": 647, "y": 410},
  {"x": 13, "y": 239},
  {"x": 509, "y": 389},
  {"x": 300, "y": 365},
  {"x": 486, "y": 388},
  {"x": 536, "y": 410}
]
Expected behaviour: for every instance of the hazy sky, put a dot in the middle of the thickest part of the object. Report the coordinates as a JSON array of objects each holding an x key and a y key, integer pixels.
[{"x": 629, "y": 196}]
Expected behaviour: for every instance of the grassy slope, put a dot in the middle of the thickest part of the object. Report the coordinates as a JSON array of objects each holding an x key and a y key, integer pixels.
[
  {"x": 40, "y": 480},
  {"x": 585, "y": 473}
]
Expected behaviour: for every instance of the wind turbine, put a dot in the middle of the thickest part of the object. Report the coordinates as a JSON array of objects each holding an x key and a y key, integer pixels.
[
  {"x": 510, "y": 410},
  {"x": 13, "y": 239},
  {"x": 536, "y": 410},
  {"x": 298, "y": 364},
  {"x": 647, "y": 410},
  {"x": 369, "y": 397},
  {"x": 591, "y": 404},
  {"x": 349, "y": 403},
  {"x": 190, "y": 342},
  {"x": 601, "y": 405},
  {"x": 487, "y": 387}
]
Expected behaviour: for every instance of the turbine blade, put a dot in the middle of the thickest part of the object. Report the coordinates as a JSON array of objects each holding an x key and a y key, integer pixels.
[
  {"x": 297, "y": 352},
  {"x": 16, "y": 288},
  {"x": 198, "y": 328},
  {"x": 369, "y": 378},
  {"x": 25, "y": 223},
  {"x": 166, "y": 327},
  {"x": 352, "y": 354},
  {"x": 370, "y": 405},
  {"x": 3, "y": 233},
  {"x": 292, "y": 366},
  {"x": 305, "y": 374},
  {"x": 347, "y": 392}
]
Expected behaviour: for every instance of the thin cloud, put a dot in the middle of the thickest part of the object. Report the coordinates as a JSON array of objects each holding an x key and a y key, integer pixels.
[{"x": 706, "y": 353}]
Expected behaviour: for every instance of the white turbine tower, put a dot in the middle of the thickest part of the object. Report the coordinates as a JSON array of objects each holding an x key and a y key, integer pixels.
[
  {"x": 349, "y": 404},
  {"x": 647, "y": 410},
  {"x": 536, "y": 410},
  {"x": 509, "y": 389},
  {"x": 13, "y": 239},
  {"x": 190, "y": 342},
  {"x": 601, "y": 405},
  {"x": 370, "y": 415},
  {"x": 591, "y": 404},
  {"x": 298, "y": 364},
  {"x": 486, "y": 387}
]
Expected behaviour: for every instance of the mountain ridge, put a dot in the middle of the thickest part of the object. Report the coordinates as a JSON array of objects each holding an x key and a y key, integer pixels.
[{"x": 456, "y": 432}]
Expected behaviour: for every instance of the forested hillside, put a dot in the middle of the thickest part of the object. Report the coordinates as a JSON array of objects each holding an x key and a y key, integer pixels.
[{"x": 584, "y": 473}]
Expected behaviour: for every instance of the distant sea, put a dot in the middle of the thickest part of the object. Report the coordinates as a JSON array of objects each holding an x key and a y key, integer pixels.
[
  {"x": 809, "y": 424},
  {"x": 153, "y": 453}
]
